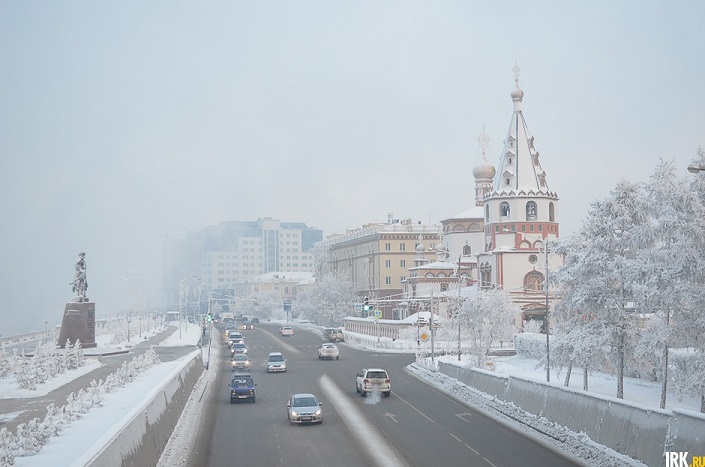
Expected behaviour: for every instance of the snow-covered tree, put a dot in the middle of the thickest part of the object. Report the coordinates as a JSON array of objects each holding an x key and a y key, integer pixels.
[
  {"x": 486, "y": 318},
  {"x": 603, "y": 270},
  {"x": 329, "y": 301}
]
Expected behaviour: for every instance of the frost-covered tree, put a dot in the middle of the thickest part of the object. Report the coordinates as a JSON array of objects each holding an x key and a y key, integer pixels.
[
  {"x": 331, "y": 299},
  {"x": 674, "y": 250},
  {"x": 603, "y": 270},
  {"x": 486, "y": 318}
]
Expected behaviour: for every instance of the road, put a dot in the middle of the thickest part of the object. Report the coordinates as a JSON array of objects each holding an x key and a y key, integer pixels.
[{"x": 416, "y": 426}]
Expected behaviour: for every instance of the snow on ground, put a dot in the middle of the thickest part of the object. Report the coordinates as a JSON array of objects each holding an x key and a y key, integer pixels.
[
  {"x": 101, "y": 424},
  {"x": 83, "y": 438}
]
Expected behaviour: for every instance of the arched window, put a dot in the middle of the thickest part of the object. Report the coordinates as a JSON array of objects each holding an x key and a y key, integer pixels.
[
  {"x": 504, "y": 209},
  {"x": 429, "y": 274},
  {"x": 531, "y": 211},
  {"x": 533, "y": 281},
  {"x": 467, "y": 250},
  {"x": 551, "y": 213},
  {"x": 487, "y": 213},
  {"x": 444, "y": 287},
  {"x": 485, "y": 276}
]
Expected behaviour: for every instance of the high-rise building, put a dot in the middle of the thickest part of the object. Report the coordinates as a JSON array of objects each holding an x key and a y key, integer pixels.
[{"x": 233, "y": 252}]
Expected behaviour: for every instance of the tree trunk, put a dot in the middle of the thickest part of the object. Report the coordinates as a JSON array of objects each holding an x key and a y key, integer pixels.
[
  {"x": 585, "y": 378},
  {"x": 567, "y": 375},
  {"x": 664, "y": 385}
]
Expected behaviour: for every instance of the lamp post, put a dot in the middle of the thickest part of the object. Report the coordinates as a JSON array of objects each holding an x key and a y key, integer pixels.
[{"x": 46, "y": 327}]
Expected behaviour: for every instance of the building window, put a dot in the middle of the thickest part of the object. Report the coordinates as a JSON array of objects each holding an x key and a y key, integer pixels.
[
  {"x": 388, "y": 247},
  {"x": 388, "y": 263},
  {"x": 402, "y": 247},
  {"x": 533, "y": 281},
  {"x": 388, "y": 280},
  {"x": 444, "y": 287},
  {"x": 403, "y": 278},
  {"x": 402, "y": 263},
  {"x": 551, "y": 213},
  {"x": 531, "y": 211},
  {"x": 504, "y": 209},
  {"x": 467, "y": 250}
]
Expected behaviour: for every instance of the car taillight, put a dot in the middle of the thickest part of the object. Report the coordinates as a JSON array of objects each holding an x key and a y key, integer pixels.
[
  {"x": 365, "y": 381},
  {"x": 386, "y": 381}
]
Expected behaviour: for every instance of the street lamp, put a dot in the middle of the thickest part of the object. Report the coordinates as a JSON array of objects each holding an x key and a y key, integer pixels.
[
  {"x": 696, "y": 167},
  {"x": 46, "y": 327}
]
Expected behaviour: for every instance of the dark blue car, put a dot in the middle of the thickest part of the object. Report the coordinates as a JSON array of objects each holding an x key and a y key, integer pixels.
[{"x": 242, "y": 387}]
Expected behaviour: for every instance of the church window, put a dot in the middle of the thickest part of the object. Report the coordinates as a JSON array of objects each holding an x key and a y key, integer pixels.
[
  {"x": 531, "y": 211},
  {"x": 504, "y": 209},
  {"x": 533, "y": 281},
  {"x": 507, "y": 181},
  {"x": 444, "y": 287},
  {"x": 440, "y": 274},
  {"x": 551, "y": 213},
  {"x": 487, "y": 213},
  {"x": 429, "y": 274},
  {"x": 467, "y": 251}
]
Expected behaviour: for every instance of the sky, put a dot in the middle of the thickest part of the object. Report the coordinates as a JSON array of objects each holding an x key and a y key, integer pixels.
[{"x": 123, "y": 123}]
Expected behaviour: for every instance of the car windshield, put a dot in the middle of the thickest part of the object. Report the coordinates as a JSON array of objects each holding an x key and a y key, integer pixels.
[
  {"x": 305, "y": 402},
  {"x": 276, "y": 358},
  {"x": 241, "y": 383},
  {"x": 240, "y": 357}
]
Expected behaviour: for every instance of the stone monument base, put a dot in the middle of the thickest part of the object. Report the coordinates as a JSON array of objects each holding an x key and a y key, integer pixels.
[{"x": 78, "y": 324}]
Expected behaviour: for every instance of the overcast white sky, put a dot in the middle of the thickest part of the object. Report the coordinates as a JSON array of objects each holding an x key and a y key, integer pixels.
[{"x": 121, "y": 123}]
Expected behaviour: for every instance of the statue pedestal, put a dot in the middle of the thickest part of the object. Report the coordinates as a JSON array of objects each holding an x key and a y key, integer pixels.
[{"x": 78, "y": 324}]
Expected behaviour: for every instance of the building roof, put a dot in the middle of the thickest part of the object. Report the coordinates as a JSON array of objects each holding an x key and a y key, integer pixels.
[{"x": 298, "y": 277}]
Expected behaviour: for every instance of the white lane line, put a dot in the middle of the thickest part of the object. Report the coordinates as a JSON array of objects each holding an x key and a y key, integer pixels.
[
  {"x": 489, "y": 462},
  {"x": 465, "y": 444},
  {"x": 410, "y": 405},
  {"x": 367, "y": 435}
]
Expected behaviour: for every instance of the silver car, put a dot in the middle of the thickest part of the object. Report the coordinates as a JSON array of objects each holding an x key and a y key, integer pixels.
[
  {"x": 276, "y": 362},
  {"x": 304, "y": 408}
]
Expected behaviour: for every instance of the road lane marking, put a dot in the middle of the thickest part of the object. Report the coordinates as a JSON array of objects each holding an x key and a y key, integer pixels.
[
  {"x": 392, "y": 416},
  {"x": 412, "y": 406},
  {"x": 463, "y": 415},
  {"x": 367, "y": 435},
  {"x": 464, "y": 444}
]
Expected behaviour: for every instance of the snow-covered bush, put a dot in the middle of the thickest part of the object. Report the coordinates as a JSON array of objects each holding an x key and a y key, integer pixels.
[{"x": 33, "y": 435}]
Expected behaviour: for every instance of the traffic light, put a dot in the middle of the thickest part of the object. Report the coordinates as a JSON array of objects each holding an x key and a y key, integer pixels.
[
  {"x": 209, "y": 317},
  {"x": 366, "y": 305}
]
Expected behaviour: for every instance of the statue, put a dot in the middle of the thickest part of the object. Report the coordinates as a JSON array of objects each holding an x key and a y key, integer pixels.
[{"x": 80, "y": 284}]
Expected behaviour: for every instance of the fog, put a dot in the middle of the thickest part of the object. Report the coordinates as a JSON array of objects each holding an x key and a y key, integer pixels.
[{"x": 122, "y": 123}]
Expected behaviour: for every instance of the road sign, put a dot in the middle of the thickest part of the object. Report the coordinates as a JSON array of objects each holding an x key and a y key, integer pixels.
[
  {"x": 378, "y": 314},
  {"x": 424, "y": 337},
  {"x": 358, "y": 307}
]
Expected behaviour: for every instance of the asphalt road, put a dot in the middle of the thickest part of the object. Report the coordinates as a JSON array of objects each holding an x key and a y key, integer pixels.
[{"x": 416, "y": 426}]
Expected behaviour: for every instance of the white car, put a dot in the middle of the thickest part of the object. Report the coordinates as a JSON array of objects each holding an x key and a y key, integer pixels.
[
  {"x": 240, "y": 361},
  {"x": 373, "y": 380},
  {"x": 286, "y": 331},
  {"x": 276, "y": 362},
  {"x": 304, "y": 408},
  {"x": 328, "y": 351}
]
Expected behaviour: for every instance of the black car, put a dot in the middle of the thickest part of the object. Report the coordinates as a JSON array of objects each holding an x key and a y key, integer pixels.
[{"x": 242, "y": 387}]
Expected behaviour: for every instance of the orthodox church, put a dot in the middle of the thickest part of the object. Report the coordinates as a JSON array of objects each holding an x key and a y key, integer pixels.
[{"x": 506, "y": 237}]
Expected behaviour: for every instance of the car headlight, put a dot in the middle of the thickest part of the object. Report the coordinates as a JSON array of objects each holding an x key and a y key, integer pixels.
[
  {"x": 294, "y": 413},
  {"x": 317, "y": 413}
]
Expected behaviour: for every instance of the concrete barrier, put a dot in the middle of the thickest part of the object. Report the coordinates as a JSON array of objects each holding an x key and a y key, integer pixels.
[
  {"x": 641, "y": 433},
  {"x": 142, "y": 440}
]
